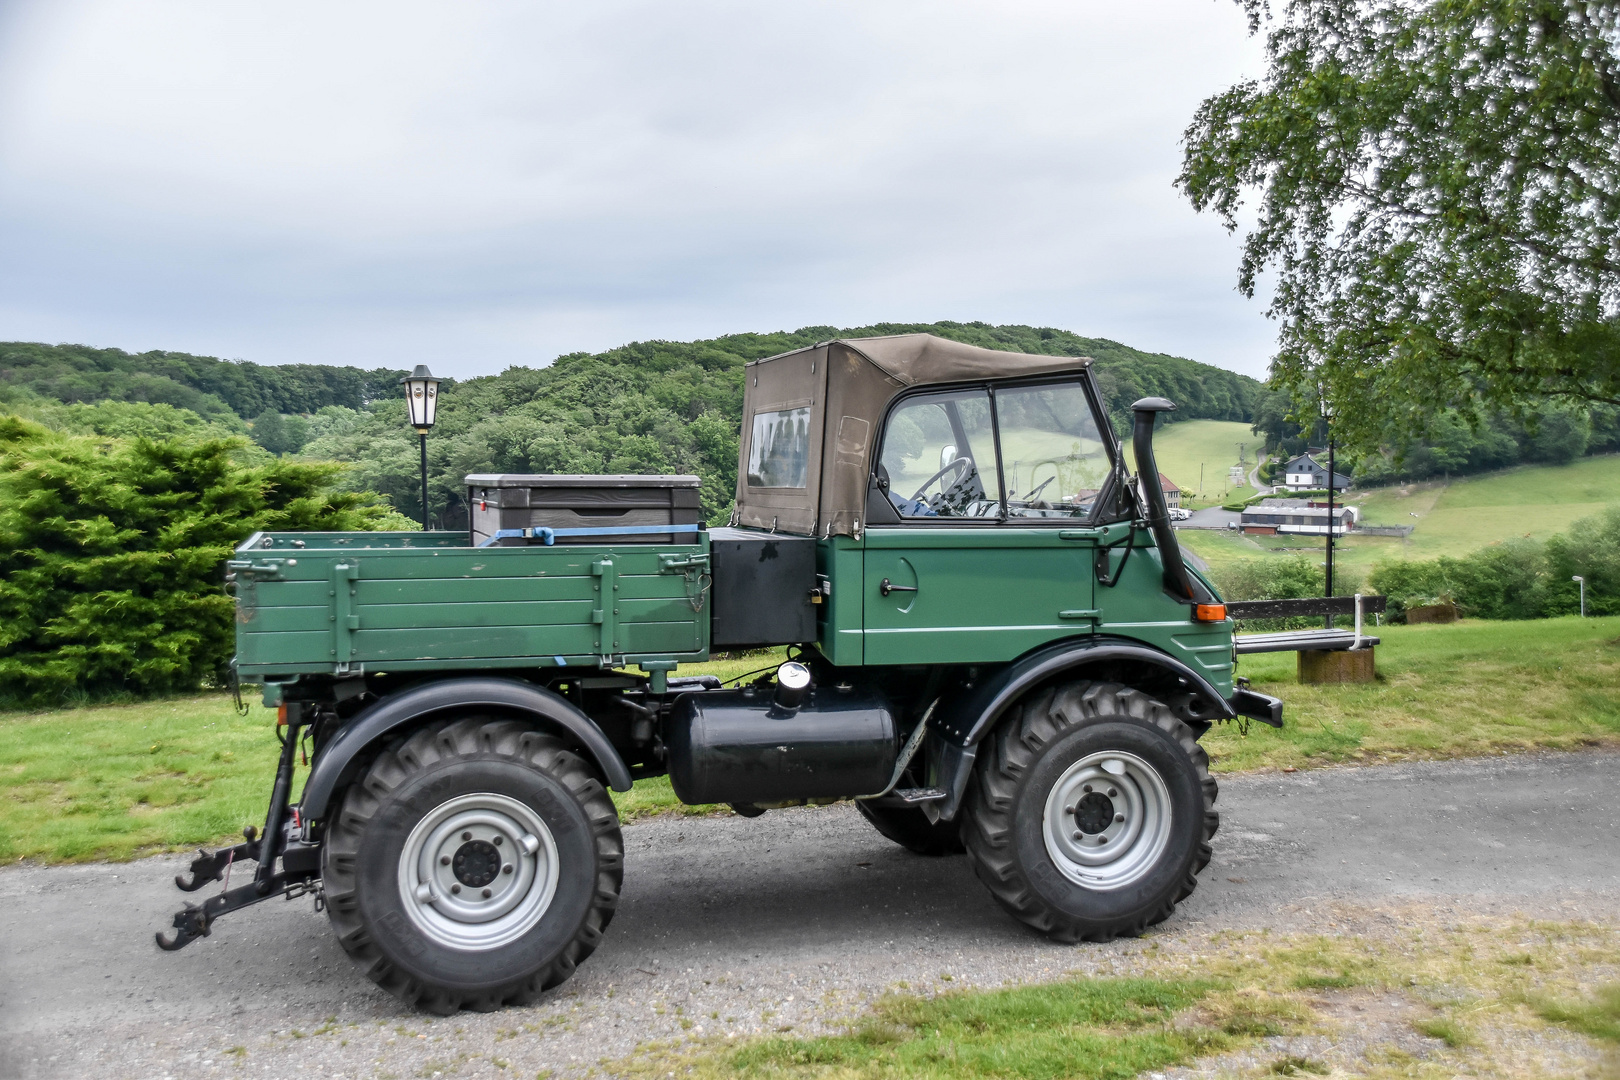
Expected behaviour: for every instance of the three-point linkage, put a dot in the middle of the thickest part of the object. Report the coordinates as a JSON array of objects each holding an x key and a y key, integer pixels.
[{"x": 196, "y": 920}]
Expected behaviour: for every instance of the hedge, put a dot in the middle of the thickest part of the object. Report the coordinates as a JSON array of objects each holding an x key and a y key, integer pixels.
[{"x": 111, "y": 552}]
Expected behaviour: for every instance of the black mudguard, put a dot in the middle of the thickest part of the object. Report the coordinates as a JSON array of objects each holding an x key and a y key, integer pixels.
[
  {"x": 963, "y": 723},
  {"x": 340, "y": 760}
]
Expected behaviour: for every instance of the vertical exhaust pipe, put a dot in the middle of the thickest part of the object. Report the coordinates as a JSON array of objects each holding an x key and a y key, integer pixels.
[{"x": 1176, "y": 581}]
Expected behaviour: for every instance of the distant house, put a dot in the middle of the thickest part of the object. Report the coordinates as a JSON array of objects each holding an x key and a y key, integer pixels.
[
  {"x": 1271, "y": 517},
  {"x": 1305, "y": 473},
  {"x": 1172, "y": 493}
]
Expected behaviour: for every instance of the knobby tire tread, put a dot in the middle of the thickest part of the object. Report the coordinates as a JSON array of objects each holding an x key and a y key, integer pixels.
[
  {"x": 1012, "y": 750},
  {"x": 440, "y": 743}
]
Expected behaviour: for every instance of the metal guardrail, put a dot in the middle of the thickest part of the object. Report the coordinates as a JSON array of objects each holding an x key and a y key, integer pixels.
[
  {"x": 1306, "y": 640},
  {"x": 1303, "y": 641}
]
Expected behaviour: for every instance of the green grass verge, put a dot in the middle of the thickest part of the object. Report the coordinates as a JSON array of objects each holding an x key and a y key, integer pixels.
[
  {"x": 1485, "y": 989},
  {"x": 1597, "y": 1017},
  {"x": 113, "y": 781},
  {"x": 1095, "y": 1028},
  {"x": 117, "y": 781},
  {"x": 120, "y": 781},
  {"x": 1464, "y": 689}
]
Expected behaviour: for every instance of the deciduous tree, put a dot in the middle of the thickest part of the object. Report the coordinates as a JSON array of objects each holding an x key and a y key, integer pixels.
[{"x": 1436, "y": 196}]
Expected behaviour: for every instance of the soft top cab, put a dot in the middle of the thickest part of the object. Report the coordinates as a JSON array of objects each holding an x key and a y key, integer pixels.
[{"x": 811, "y": 418}]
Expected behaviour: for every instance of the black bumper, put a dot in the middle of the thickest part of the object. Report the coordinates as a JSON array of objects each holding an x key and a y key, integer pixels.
[{"x": 1257, "y": 706}]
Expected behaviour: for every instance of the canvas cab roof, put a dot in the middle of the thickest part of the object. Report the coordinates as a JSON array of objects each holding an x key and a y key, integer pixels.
[{"x": 798, "y": 404}]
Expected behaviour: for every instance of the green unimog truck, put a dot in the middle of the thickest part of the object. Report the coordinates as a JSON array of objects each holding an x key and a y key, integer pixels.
[{"x": 994, "y": 645}]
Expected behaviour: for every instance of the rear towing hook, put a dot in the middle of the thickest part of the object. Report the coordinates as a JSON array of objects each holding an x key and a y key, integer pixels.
[{"x": 197, "y": 920}]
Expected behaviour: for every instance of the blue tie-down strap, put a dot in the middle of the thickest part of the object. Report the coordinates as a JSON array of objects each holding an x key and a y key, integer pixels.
[{"x": 549, "y": 536}]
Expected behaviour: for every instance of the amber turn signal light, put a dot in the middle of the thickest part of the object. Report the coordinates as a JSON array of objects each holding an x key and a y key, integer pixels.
[
  {"x": 1210, "y": 613},
  {"x": 281, "y": 713}
]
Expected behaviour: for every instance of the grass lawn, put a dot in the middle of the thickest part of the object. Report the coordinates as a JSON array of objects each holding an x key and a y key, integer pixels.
[
  {"x": 114, "y": 782},
  {"x": 120, "y": 781},
  {"x": 1469, "y": 688},
  {"x": 1221, "y": 548},
  {"x": 1182, "y": 448}
]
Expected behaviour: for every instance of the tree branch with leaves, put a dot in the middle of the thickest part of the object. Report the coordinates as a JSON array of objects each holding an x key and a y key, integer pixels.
[{"x": 1434, "y": 189}]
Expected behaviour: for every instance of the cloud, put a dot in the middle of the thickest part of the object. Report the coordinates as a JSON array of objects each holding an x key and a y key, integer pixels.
[{"x": 478, "y": 185}]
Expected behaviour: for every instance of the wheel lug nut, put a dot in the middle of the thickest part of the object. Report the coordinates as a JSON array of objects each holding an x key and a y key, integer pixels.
[
  {"x": 1102, "y": 839},
  {"x": 1087, "y": 788},
  {"x": 455, "y": 889},
  {"x": 497, "y": 840},
  {"x": 1079, "y": 836},
  {"x": 444, "y": 860},
  {"x": 1113, "y": 793},
  {"x": 1068, "y": 809},
  {"x": 486, "y": 894},
  {"x": 507, "y": 869},
  {"x": 1119, "y": 817}
]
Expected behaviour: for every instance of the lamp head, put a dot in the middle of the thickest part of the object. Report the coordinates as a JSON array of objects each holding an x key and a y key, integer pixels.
[
  {"x": 421, "y": 398},
  {"x": 1578, "y": 577}
]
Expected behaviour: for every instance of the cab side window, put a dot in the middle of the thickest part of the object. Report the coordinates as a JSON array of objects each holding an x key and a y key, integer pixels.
[
  {"x": 939, "y": 457},
  {"x": 1056, "y": 459}
]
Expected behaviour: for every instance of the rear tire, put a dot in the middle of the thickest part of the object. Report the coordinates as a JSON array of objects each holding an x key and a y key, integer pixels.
[
  {"x": 1091, "y": 812},
  {"x": 475, "y": 865},
  {"x": 909, "y": 827}
]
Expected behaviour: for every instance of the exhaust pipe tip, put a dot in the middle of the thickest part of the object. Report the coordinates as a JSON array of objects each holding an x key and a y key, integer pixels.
[{"x": 792, "y": 684}]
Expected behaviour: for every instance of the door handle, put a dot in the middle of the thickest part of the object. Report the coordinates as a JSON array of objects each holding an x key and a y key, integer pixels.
[{"x": 888, "y": 587}]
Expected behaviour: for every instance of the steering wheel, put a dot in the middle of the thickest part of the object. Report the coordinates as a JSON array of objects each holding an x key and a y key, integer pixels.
[{"x": 959, "y": 463}]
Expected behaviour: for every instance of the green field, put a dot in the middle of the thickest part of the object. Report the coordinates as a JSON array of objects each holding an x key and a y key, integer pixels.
[
  {"x": 1449, "y": 518},
  {"x": 117, "y": 781},
  {"x": 1181, "y": 449}
]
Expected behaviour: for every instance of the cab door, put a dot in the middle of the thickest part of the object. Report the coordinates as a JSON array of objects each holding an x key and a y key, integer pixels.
[{"x": 993, "y": 551}]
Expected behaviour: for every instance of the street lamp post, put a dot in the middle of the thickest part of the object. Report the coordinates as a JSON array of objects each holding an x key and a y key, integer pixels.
[
  {"x": 1582, "y": 583},
  {"x": 1327, "y": 422},
  {"x": 422, "y": 399}
]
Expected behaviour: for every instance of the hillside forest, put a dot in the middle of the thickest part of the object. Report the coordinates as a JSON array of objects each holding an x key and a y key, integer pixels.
[
  {"x": 648, "y": 407},
  {"x": 1457, "y": 443}
]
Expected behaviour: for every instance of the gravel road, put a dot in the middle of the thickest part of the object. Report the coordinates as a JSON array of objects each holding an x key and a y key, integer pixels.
[{"x": 728, "y": 925}]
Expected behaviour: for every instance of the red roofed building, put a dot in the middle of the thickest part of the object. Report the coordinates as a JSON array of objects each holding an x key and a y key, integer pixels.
[{"x": 1172, "y": 493}]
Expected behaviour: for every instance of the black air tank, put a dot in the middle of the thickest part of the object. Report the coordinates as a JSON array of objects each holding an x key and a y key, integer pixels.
[{"x": 738, "y": 746}]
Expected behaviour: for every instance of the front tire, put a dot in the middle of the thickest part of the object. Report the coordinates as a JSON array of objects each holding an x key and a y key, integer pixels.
[
  {"x": 1091, "y": 812},
  {"x": 475, "y": 865}
]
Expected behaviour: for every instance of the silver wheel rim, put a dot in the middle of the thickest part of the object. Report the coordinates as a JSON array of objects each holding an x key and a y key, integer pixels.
[
  {"x": 478, "y": 872},
  {"x": 1135, "y": 801}
]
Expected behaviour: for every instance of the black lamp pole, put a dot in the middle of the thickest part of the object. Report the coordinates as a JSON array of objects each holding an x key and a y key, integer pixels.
[
  {"x": 1327, "y": 424},
  {"x": 1330, "y": 523},
  {"x": 422, "y": 401},
  {"x": 422, "y": 437}
]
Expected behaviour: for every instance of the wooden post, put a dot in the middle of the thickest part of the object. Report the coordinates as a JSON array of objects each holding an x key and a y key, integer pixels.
[{"x": 1336, "y": 666}]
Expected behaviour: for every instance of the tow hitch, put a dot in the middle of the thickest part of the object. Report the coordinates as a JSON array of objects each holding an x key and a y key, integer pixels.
[
  {"x": 300, "y": 862},
  {"x": 197, "y": 920}
]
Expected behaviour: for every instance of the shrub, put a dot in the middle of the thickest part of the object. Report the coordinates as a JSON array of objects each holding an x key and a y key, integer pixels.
[
  {"x": 1282, "y": 577},
  {"x": 110, "y": 554},
  {"x": 1519, "y": 579}
]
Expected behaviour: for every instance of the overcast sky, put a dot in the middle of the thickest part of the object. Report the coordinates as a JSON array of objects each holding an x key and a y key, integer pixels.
[{"x": 474, "y": 185}]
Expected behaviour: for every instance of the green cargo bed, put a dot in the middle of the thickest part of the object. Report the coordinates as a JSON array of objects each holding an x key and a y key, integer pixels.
[{"x": 349, "y": 602}]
